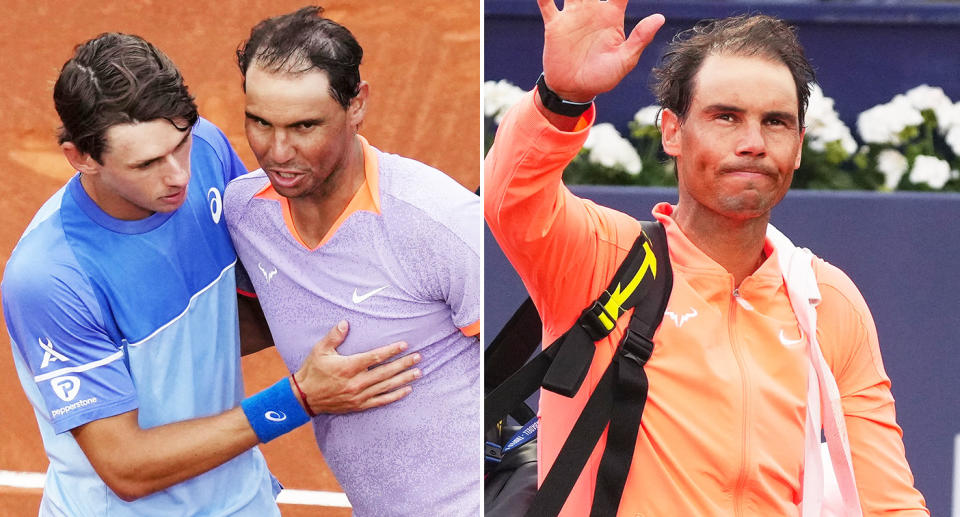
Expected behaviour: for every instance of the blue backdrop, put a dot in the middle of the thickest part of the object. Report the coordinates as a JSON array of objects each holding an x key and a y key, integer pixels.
[
  {"x": 901, "y": 251},
  {"x": 863, "y": 54}
]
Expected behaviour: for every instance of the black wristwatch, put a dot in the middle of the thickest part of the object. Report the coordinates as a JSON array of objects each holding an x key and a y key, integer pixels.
[{"x": 558, "y": 105}]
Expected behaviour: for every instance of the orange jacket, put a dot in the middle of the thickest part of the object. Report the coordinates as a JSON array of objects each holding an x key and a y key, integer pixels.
[{"x": 722, "y": 432}]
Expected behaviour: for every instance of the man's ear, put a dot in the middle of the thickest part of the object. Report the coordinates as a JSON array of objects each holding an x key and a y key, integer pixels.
[
  {"x": 803, "y": 134},
  {"x": 80, "y": 161},
  {"x": 357, "y": 109},
  {"x": 670, "y": 132}
]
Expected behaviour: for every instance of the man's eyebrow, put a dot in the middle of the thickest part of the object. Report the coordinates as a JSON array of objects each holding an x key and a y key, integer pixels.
[
  {"x": 148, "y": 161},
  {"x": 254, "y": 117},
  {"x": 308, "y": 121},
  {"x": 784, "y": 115},
  {"x": 725, "y": 108},
  {"x": 717, "y": 108}
]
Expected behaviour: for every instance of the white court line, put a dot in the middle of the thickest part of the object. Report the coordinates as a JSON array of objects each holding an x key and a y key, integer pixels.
[
  {"x": 956, "y": 476},
  {"x": 313, "y": 498},
  {"x": 21, "y": 479},
  {"x": 34, "y": 480}
]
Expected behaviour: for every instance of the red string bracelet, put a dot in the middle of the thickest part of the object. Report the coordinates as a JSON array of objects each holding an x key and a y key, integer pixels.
[{"x": 302, "y": 397}]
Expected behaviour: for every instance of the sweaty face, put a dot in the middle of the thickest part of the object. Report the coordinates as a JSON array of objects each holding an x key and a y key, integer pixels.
[
  {"x": 299, "y": 133},
  {"x": 740, "y": 141},
  {"x": 145, "y": 169}
]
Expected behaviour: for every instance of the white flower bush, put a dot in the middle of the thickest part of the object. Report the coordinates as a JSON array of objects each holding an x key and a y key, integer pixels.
[
  {"x": 608, "y": 148},
  {"x": 918, "y": 131},
  {"x": 498, "y": 97},
  {"x": 910, "y": 142},
  {"x": 886, "y": 123},
  {"x": 824, "y": 125}
]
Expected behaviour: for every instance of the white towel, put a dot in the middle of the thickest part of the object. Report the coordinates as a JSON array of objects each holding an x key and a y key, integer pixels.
[{"x": 829, "y": 487}]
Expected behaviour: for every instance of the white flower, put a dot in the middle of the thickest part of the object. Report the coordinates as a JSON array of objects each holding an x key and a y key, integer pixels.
[
  {"x": 948, "y": 117},
  {"x": 932, "y": 98},
  {"x": 648, "y": 116},
  {"x": 608, "y": 148},
  {"x": 498, "y": 97},
  {"x": 824, "y": 124},
  {"x": 930, "y": 170},
  {"x": 927, "y": 97},
  {"x": 883, "y": 123},
  {"x": 953, "y": 139},
  {"x": 892, "y": 164}
]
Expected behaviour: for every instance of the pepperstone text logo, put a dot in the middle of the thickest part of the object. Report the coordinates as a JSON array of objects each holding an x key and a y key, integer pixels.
[{"x": 75, "y": 405}]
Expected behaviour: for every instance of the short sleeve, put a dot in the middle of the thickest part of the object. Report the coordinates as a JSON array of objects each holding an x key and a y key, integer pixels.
[
  {"x": 56, "y": 325},
  {"x": 437, "y": 237},
  {"x": 465, "y": 280},
  {"x": 459, "y": 264}
]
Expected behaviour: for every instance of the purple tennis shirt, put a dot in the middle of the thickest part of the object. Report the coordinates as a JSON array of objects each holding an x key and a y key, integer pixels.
[{"x": 401, "y": 263}]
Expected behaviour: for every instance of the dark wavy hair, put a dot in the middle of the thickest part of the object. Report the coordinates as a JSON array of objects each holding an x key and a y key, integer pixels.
[
  {"x": 304, "y": 40},
  {"x": 118, "y": 79},
  {"x": 745, "y": 35}
]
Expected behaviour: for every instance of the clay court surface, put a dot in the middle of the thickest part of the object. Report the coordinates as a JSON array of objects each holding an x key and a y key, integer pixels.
[{"x": 421, "y": 58}]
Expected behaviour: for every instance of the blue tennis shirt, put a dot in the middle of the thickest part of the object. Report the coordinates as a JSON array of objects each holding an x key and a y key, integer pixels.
[{"x": 107, "y": 316}]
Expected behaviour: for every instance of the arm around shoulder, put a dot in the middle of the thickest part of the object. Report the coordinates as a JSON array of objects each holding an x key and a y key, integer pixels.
[
  {"x": 254, "y": 332},
  {"x": 136, "y": 462}
]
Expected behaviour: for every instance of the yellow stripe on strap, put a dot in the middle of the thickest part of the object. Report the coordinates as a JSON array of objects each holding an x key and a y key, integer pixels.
[{"x": 614, "y": 306}]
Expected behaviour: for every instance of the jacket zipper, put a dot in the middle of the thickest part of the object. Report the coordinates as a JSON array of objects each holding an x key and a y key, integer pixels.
[{"x": 745, "y": 417}]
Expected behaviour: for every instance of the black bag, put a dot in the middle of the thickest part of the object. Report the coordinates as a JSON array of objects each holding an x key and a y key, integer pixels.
[
  {"x": 511, "y": 482},
  {"x": 617, "y": 400}
]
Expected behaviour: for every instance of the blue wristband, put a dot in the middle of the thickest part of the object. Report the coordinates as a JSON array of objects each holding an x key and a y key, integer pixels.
[{"x": 274, "y": 411}]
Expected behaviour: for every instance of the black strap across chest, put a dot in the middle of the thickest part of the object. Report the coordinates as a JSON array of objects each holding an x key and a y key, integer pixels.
[{"x": 642, "y": 282}]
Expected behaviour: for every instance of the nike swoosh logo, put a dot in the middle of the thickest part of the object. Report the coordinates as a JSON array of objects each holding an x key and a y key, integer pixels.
[
  {"x": 358, "y": 298},
  {"x": 790, "y": 342}
]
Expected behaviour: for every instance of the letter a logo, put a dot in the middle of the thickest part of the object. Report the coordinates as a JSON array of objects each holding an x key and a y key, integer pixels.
[{"x": 49, "y": 354}]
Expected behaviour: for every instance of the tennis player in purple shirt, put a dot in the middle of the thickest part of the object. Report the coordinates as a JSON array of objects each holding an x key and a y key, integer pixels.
[{"x": 332, "y": 229}]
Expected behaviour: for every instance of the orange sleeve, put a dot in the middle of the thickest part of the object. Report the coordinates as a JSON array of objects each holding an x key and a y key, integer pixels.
[
  {"x": 851, "y": 348},
  {"x": 565, "y": 250},
  {"x": 472, "y": 329},
  {"x": 560, "y": 245}
]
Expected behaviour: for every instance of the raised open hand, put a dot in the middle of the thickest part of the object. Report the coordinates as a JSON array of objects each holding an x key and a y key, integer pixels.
[{"x": 585, "y": 50}]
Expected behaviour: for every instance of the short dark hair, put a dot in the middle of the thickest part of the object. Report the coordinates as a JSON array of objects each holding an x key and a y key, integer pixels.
[
  {"x": 745, "y": 35},
  {"x": 117, "y": 79},
  {"x": 301, "y": 41}
]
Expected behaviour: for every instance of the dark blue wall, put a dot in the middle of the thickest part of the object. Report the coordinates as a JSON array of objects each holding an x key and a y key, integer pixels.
[
  {"x": 863, "y": 54},
  {"x": 903, "y": 252}
]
